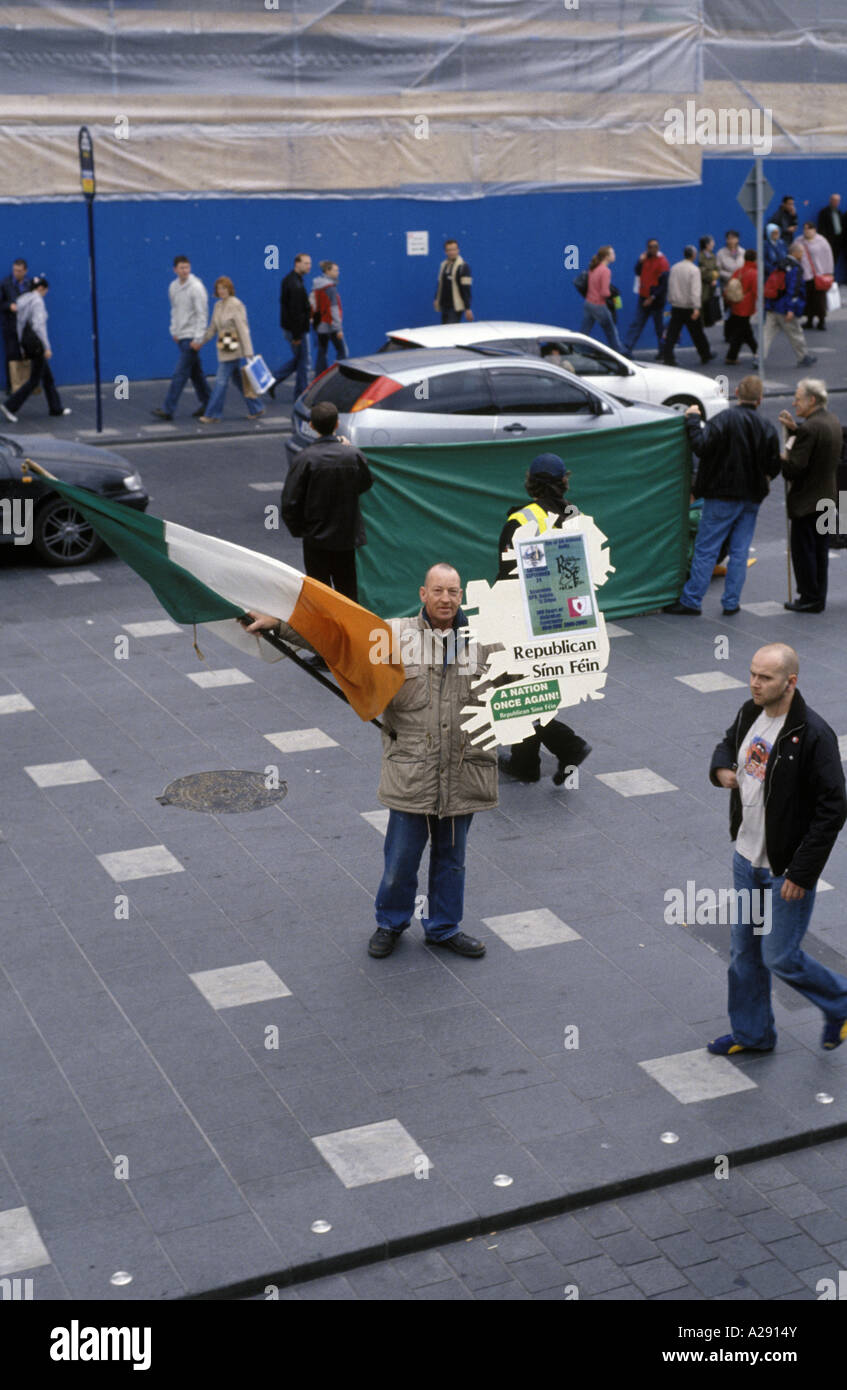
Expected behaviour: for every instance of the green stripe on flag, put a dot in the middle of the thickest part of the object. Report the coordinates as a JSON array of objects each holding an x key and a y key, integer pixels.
[{"x": 139, "y": 540}]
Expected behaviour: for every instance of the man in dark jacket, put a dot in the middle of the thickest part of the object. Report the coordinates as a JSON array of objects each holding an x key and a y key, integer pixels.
[
  {"x": 738, "y": 453},
  {"x": 831, "y": 226},
  {"x": 320, "y": 503},
  {"x": 546, "y": 483},
  {"x": 810, "y": 462},
  {"x": 781, "y": 764},
  {"x": 295, "y": 316},
  {"x": 453, "y": 290},
  {"x": 14, "y": 285}
]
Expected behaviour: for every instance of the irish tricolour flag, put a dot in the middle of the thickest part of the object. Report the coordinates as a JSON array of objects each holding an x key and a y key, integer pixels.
[{"x": 199, "y": 579}]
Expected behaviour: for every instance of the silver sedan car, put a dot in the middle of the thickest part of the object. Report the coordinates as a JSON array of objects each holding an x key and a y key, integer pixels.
[{"x": 442, "y": 396}]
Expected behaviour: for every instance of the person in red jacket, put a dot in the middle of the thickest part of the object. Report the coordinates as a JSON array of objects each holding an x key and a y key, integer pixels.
[{"x": 739, "y": 330}]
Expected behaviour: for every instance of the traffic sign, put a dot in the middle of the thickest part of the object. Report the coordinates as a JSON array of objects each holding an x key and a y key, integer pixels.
[{"x": 747, "y": 194}]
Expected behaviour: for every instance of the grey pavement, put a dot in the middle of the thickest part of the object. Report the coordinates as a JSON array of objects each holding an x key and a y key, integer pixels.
[{"x": 200, "y": 1061}]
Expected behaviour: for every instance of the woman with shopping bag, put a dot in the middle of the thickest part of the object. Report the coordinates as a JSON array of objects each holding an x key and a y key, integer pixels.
[{"x": 231, "y": 331}]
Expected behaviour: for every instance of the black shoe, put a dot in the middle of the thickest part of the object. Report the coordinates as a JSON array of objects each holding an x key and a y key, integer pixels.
[
  {"x": 461, "y": 944},
  {"x": 711, "y": 357},
  {"x": 382, "y": 942},
  {"x": 682, "y": 609},
  {"x": 507, "y": 765},
  {"x": 798, "y": 607},
  {"x": 272, "y": 390},
  {"x": 730, "y": 361},
  {"x": 163, "y": 414},
  {"x": 562, "y": 770},
  {"x": 201, "y": 410},
  {"x": 730, "y": 612}
]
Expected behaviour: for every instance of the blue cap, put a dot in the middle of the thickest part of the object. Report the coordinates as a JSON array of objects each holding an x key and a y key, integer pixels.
[{"x": 549, "y": 464}]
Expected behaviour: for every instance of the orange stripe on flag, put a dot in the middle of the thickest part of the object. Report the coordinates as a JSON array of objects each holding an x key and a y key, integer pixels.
[{"x": 347, "y": 636}]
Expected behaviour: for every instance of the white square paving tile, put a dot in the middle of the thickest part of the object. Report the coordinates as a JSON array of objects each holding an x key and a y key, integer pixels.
[
  {"x": 146, "y": 862},
  {"x": 370, "y": 1153},
  {"x": 21, "y": 1247},
  {"x": 267, "y": 487},
  {"x": 615, "y": 630},
  {"x": 535, "y": 927},
  {"x": 98, "y": 434},
  {"x": 842, "y": 747},
  {"x": 240, "y": 984},
  {"x": 638, "y": 782},
  {"x": 378, "y": 819},
  {"x": 155, "y": 629},
  {"x": 300, "y": 740},
  {"x": 227, "y": 676},
  {"x": 11, "y": 704},
  {"x": 63, "y": 774},
  {"x": 767, "y": 609},
  {"x": 73, "y": 577},
  {"x": 697, "y": 1075},
  {"x": 711, "y": 680}
]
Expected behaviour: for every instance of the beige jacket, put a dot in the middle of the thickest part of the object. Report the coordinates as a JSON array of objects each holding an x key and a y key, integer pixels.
[
  {"x": 429, "y": 765},
  {"x": 230, "y": 313}
]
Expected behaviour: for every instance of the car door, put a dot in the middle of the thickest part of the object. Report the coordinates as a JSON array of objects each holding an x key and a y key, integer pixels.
[
  {"x": 534, "y": 400},
  {"x": 438, "y": 408}
]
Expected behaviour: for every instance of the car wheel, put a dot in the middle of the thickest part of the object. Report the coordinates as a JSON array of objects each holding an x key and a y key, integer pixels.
[
  {"x": 681, "y": 404},
  {"x": 62, "y": 536}
]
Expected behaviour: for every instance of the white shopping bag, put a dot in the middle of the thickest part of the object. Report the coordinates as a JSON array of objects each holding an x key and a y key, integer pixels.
[
  {"x": 833, "y": 298},
  {"x": 259, "y": 374}
]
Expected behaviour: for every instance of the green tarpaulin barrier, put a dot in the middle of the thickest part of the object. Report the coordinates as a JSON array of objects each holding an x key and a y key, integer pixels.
[{"x": 450, "y": 501}]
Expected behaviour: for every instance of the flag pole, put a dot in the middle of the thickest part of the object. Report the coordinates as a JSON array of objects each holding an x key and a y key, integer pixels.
[{"x": 282, "y": 646}]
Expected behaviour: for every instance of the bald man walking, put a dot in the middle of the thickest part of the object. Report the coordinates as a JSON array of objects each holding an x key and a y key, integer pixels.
[{"x": 781, "y": 764}]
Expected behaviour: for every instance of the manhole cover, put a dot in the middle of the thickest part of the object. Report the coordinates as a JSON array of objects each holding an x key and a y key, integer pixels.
[{"x": 222, "y": 791}]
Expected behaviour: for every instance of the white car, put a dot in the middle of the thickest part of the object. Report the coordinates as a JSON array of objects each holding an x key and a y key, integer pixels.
[{"x": 610, "y": 370}]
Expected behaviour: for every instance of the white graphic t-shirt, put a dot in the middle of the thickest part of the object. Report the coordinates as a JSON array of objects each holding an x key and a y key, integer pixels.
[{"x": 752, "y": 766}]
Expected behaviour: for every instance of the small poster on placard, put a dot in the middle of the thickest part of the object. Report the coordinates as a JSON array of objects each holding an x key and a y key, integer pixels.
[
  {"x": 556, "y": 587},
  {"x": 417, "y": 243}
]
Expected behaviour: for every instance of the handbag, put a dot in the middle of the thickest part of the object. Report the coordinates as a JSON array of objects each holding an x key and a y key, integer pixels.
[
  {"x": 833, "y": 300},
  {"x": 824, "y": 282},
  {"x": 247, "y": 386},
  {"x": 258, "y": 373},
  {"x": 20, "y": 369},
  {"x": 734, "y": 291},
  {"x": 711, "y": 311},
  {"x": 580, "y": 283}
]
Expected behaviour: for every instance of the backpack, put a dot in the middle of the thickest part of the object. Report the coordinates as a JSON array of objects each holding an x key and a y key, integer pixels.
[
  {"x": 734, "y": 291},
  {"x": 775, "y": 284},
  {"x": 581, "y": 283}
]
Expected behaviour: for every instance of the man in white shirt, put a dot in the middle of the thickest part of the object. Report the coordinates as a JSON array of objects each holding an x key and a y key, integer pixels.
[
  {"x": 685, "y": 294},
  {"x": 781, "y": 764},
  {"x": 189, "y": 316}
]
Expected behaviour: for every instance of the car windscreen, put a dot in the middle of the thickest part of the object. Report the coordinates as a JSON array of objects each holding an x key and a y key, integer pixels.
[
  {"x": 582, "y": 358},
  {"x": 341, "y": 385},
  {"x": 397, "y": 345},
  {"x": 461, "y": 392}
]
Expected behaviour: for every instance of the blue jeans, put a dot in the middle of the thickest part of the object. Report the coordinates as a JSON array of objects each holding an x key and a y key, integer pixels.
[
  {"x": 227, "y": 372},
  {"x": 754, "y": 958},
  {"x": 405, "y": 841},
  {"x": 299, "y": 362},
  {"x": 602, "y": 314},
  {"x": 323, "y": 348},
  {"x": 720, "y": 519},
  {"x": 654, "y": 311},
  {"x": 189, "y": 365}
]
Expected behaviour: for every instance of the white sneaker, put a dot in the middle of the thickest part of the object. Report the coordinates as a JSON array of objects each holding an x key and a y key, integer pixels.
[
  {"x": 8, "y": 414},
  {"x": 67, "y": 410}
]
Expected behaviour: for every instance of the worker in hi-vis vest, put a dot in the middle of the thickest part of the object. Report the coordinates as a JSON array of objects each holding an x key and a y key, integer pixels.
[{"x": 546, "y": 483}]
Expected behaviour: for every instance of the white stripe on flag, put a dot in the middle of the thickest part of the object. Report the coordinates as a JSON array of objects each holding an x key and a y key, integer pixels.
[{"x": 236, "y": 573}]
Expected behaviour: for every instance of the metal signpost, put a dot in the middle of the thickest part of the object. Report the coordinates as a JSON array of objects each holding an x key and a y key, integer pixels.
[
  {"x": 86, "y": 174},
  {"x": 754, "y": 195}
]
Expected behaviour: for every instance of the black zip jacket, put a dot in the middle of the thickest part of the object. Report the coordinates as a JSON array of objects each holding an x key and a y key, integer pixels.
[
  {"x": 320, "y": 500},
  {"x": 295, "y": 311},
  {"x": 805, "y": 799},
  {"x": 737, "y": 452}
]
